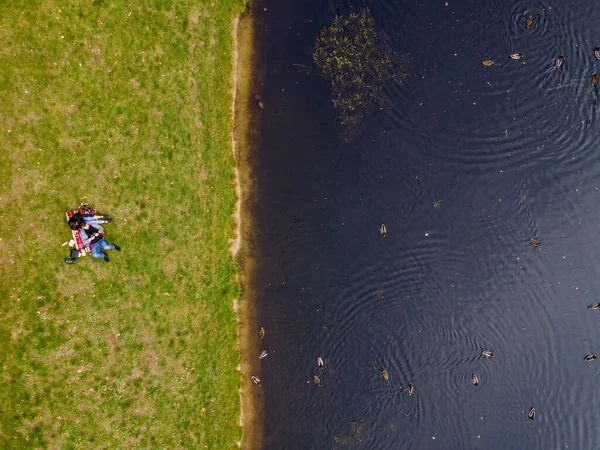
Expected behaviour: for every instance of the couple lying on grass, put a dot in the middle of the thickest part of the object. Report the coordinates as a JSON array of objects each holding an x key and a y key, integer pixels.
[{"x": 88, "y": 227}]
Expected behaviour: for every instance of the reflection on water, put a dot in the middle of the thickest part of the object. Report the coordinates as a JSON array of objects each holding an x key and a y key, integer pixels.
[{"x": 469, "y": 165}]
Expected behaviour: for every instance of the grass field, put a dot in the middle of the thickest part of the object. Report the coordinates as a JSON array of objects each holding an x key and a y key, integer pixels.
[{"x": 125, "y": 105}]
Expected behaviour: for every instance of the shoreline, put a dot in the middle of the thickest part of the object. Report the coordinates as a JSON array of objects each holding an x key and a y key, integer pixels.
[{"x": 245, "y": 139}]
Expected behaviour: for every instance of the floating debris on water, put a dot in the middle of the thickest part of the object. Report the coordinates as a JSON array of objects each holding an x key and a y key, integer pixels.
[
  {"x": 590, "y": 357},
  {"x": 256, "y": 380},
  {"x": 264, "y": 353}
]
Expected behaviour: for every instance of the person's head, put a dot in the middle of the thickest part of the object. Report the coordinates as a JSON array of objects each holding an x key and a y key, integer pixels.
[{"x": 75, "y": 223}]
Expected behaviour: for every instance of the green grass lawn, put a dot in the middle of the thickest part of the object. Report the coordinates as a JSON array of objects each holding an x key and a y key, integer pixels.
[{"x": 124, "y": 105}]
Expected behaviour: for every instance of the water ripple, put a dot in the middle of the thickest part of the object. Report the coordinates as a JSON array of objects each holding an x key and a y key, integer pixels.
[{"x": 465, "y": 167}]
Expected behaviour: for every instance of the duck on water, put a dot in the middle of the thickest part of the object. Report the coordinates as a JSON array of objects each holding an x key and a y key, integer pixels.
[
  {"x": 385, "y": 374},
  {"x": 317, "y": 380},
  {"x": 528, "y": 21},
  {"x": 559, "y": 62}
]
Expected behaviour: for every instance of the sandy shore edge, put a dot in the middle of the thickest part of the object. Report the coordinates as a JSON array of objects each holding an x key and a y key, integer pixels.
[{"x": 245, "y": 140}]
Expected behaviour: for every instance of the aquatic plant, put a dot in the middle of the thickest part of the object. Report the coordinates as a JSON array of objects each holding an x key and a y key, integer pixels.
[
  {"x": 357, "y": 60},
  {"x": 356, "y": 436}
]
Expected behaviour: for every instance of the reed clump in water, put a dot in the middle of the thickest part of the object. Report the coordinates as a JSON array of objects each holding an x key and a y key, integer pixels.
[{"x": 357, "y": 59}]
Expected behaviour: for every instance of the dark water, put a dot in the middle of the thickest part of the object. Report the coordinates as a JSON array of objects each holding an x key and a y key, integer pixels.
[{"x": 508, "y": 152}]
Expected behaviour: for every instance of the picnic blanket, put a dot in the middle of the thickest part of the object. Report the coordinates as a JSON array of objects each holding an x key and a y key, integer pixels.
[{"x": 77, "y": 243}]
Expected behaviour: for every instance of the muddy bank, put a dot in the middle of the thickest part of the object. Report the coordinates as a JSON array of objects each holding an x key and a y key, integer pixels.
[{"x": 248, "y": 72}]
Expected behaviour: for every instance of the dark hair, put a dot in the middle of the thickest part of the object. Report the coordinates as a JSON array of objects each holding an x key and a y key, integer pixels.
[{"x": 75, "y": 223}]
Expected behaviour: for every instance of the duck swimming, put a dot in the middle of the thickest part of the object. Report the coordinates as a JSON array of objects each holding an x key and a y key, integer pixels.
[
  {"x": 590, "y": 357},
  {"x": 317, "y": 380},
  {"x": 475, "y": 379},
  {"x": 383, "y": 230},
  {"x": 594, "y": 306},
  {"x": 594, "y": 78},
  {"x": 528, "y": 21},
  {"x": 488, "y": 63},
  {"x": 264, "y": 353},
  {"x": 534, "y": 242},
  {"x": 410, "y": 389},
  {"x": 385, "y": 374},
  {"x": 558, "y": 62},
  {"x": 597, "y": 53},
  {"x": 320, "y": 362},
  {"x": 531, "y": 414},
  {"x": 261, "y": 333},
  {"x": 516, "y": 56},
  {"x": 487, "y": 353},
  {"x": 256, "y": 380}
]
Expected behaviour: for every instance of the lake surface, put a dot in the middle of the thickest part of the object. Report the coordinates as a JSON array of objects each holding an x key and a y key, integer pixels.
[{"x": 469, "y": 164}]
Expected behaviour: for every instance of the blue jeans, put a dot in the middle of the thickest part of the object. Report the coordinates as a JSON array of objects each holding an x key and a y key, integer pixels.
[
  {"x": 91, "y": 220},
  {"x": 99, "y": 246}
]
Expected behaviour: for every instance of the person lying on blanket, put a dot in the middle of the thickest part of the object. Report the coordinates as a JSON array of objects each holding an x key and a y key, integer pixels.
[
  {"x": 78, "y": 219},
  {"x": 92, "y": 236}
]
